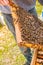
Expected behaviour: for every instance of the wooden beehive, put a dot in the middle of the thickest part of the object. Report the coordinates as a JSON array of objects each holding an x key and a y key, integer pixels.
[{"x": 29, "y": 29}]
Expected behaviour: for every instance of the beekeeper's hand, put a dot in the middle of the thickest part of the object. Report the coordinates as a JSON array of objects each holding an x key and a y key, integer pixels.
[{"x": 4, "y": 2}]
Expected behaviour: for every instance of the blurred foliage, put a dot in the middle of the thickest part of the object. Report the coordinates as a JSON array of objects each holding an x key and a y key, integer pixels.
[{"x": 38, "y": 7}]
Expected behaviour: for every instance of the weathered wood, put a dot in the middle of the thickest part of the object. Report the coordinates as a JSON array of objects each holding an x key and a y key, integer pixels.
[{"x": 34, "y": 58}]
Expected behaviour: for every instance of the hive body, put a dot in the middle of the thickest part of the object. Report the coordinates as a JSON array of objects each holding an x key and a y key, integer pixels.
[{"x": 29, "y": 29}]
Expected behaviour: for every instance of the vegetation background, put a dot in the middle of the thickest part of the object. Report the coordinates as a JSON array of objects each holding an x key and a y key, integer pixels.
[{"x": 9, "y": 51}]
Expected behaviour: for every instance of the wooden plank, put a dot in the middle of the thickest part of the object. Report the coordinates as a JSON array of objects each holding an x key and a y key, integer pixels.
[{"x": 34, "y": 58}]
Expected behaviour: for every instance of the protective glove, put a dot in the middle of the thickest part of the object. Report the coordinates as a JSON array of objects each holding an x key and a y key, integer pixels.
[{"x": 4, "y": 2}]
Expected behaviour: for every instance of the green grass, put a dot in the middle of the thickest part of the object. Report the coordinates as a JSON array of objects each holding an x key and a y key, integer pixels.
[{"x": 10, "y": 53}]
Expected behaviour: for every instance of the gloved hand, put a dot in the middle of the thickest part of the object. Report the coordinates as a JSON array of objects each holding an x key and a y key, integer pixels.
[{"x": 4, "y": 2}]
